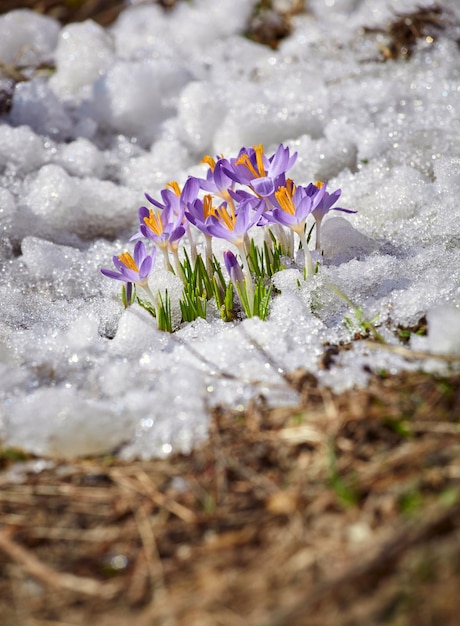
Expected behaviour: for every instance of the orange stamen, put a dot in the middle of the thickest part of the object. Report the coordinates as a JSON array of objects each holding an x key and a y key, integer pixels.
[
  {"x": 175, "y": 187},
  {"x": 227, "y": 218},
  {"x": 284, "y": 199},
  {"x": 244, "y": 160},
  {"x": 209, "y": 161},
  {"x": 319, "y": 184},
  {"x": 208, "y": 209},
  {"x": 260, "y": 160},
  {"x": 128, "y": 261},
  {"x": 153, "y": 221}
]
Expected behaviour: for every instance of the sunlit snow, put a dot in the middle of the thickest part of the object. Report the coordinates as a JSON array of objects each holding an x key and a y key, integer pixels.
[{"x": 134, "y": 106}]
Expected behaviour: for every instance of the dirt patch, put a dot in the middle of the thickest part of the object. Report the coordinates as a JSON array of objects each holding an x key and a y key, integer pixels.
[{"x": 344, "y": 510}]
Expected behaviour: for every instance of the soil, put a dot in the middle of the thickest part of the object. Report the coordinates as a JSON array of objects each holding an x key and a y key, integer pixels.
[{"x": 342, "y": 510}]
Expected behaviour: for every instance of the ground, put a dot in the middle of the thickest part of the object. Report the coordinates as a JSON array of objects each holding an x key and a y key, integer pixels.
[{"x": 345, "y": 510}]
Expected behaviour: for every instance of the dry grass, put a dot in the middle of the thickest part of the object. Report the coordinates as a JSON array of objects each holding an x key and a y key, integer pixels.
[
  {"x": 407, "y": 30},
  {"x": 102, "y": 11},
  {"x": 343, "y": 511}
]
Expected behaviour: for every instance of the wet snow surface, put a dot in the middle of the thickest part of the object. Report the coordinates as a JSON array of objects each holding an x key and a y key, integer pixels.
[{"x": 134, "y": 106}]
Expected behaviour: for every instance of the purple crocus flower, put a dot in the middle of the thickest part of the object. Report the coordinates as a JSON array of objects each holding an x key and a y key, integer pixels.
[
  {"x": 242, "y": 283},
  {"x": 232, "y": 223},
  {"x": 293, "y": 206},
  {"x": 261, "y": 173},
  {"x": 199, "y": 211},
  {"x": 166, "y": 226},
  {"x": 161, "y": 227},
  {"x": 217, "y": 180},
  {"x": 324, "y": 206},
  {"x": 234, "y": 269},
  {"x": 133, "y": 269},
  {"x": 175, "y": 199}
]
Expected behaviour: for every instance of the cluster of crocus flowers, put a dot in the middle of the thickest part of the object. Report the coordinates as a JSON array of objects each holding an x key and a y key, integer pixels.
[{"x": 237, "y": 196}]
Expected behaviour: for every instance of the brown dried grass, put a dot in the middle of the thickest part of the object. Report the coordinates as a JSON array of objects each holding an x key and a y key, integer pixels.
[{"x": 344, "y": 510}]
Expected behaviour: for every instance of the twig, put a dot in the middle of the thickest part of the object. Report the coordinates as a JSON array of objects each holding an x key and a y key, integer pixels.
[
  {"x": 52, "y": 578},
  {"x": 412, "y": 354},
  {"x": 371, "y": 570},
  {"x": 143, "y": 485}
]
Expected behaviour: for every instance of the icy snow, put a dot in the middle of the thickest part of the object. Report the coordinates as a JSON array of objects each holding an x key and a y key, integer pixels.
[{"x": 134, "y": 106}]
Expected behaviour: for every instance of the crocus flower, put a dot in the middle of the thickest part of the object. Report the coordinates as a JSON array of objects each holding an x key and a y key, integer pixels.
[
  {"x": 232, "y": 224},
  {"x": 324, "y": 206},
  {"x": 261, "y": 173},
  {"x": 217, "y": 180},
  {"x": 133, "y": 269},
  {"x": 163, "y": 227},
  {"x": 294, "y": 205},
  {"x": 233, "y": 268},
  {"x": 175, "y": 199},
  {"x": 241, "y": 283},
  {"x": 197, "y": 213}
]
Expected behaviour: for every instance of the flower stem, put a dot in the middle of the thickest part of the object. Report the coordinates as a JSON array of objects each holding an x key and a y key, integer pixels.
[
  {"x": 318, "y": 235},
  {"x": 177, "y": 265},
  {"x": 168, "y": 265},
  {"x": 247, "y": 279},
  {"x": 309, "y": 270}
]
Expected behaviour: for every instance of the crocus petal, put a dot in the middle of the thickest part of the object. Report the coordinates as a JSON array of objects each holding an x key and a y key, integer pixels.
[
  {"x": 233, "y": 267},
  {"x": 118, "y": 264},
  {"x": 176, "y": 234},
  {"x": 146, "y": 267},
  {"x": 263, "y": 186},
  {"x": 230, "y": 261},
  {"x": 338, "y": 208},
  {"x": 153, "y": 201},
  {"x": 221, "y": 179},
  {"x": 139, "y": 253},
  {"x": 281, "y": 161},
  {"x": 112, "y": 274},
  {"x": 143, "y": 212},
  {"x": 215, "y": 228},
  {"x": 131, "y": 275},
  {"x": 190, "y": 190},
  {"x": 281, "y": 217}
]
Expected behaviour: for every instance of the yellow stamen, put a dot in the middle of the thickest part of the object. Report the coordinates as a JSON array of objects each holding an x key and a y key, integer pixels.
[
  {"x": 208, "y": 209},
  {"x": 291, "y": 187},
  {"x": 319, "y": 184},
  {"x": 128, "y": 261},
  {"x": 209, "y": 161},
  {"x": 284, "y": 199},
  {"x": 245, "y": 160},
  {"x": 227, "y": 218},
  {"x": 175, "y": 187},
  {"x": 153, "y": 221},
  {"x": 259, "y": 150}
]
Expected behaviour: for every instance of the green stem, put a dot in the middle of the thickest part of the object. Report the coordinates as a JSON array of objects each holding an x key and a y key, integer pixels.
[{"x": 248, "y": 279}]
